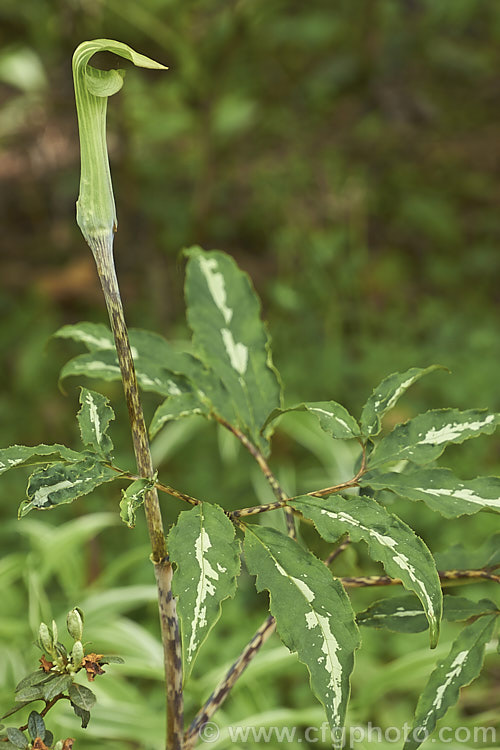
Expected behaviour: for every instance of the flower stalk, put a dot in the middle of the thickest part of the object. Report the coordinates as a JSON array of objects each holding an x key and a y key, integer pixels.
[{"x": 96, "y": 217}]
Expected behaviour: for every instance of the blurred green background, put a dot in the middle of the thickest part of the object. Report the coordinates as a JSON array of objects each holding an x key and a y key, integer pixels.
[{"x": 347, "y": 155}]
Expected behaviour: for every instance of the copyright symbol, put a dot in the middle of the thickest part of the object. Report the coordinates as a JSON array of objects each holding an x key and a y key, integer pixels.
[{"x": 209, "y": 732}]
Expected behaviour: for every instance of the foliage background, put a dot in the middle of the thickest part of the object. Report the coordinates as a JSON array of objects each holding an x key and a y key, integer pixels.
[{"x": 347, "y": 156}]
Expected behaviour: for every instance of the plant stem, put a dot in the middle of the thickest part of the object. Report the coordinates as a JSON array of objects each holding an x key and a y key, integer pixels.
[
  {"x": 336, "y": 552},
  {"x": 159, "y": 557},
  {"x": 279, "y": 493},
  {"x": 236, "y": 670},
  {"x": 255, "y": 510},
  {"x": 447, "y": 578},
  {"x": 269, "y": 625},
  {"x": 159, "y": 486}
]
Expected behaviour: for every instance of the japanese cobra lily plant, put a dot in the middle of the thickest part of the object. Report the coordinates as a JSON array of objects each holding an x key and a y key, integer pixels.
[{"x": 228, "y": 377}]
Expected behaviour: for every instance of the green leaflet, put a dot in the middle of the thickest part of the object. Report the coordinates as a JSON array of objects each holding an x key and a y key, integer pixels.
[
  {"x": 223, "y": 312},
  {"x": 17, "y": 738},
  {"x": 27, "y": 455},
  {"x": 62, "y": 483},
  {"x": 81, "y": 696},
  {"x": 95, "y": 208},
  {"x": 94, "y": 418},
  {"x": 333, "y": 418},
  {"x": 386, "y": 395},
  {"x": 404, "y": 614},
  {"x": 313, "y": 615},
  {"x": 203, "y": 546},
  {"x": 30, "y": 694},
  {"x": 440, "y": 489},
  {"x": 36, "y": 726},
  {"x": 82, "y": 714},
  {"x": 59, "y": 684},
  {"x": 425, "y": 437},
  {"x": 177, "y": 407},
  {"x": 390, "y": 541},
  {"x": 460, "y": 667},
  {"x": 133, "y": 498},
  {"x": 487, "y": 555},
  {"x": 35, "y": 678}
]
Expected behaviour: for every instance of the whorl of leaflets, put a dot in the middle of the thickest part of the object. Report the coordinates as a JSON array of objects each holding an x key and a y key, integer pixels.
[
  {"x": 229, "y": 373},
  {"x": 313, "y": 615},
  {"x": 203, "y": 546}
]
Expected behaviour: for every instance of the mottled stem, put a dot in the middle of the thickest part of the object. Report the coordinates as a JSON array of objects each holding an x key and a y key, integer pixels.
[
  {"x": 447, "y": 578},
  {"x": 221, "y": 691},
  {"x": 269, "y": 625},
  {"x": 336, "y": 552},
  {"x": 159, "y": 486},
  {"x": 159, "y": 557},
  {"x": 254, "y": 510},
  {"x": 279, "y": 493}
]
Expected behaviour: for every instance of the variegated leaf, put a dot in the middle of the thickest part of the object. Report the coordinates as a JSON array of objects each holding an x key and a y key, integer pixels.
[
  {"x": 95, "y": 336},
  {"x": 333, "y": 418},
  {"x": 177, "y": 407},
  {"x": 400, "y": 614},
  {"x": 103, "y": 365},
  {"x": 390, "y": 541},
  {"x": 224, "y": 315},
  {"x": 205, "y": 386},
  {"x": 203, "y": 546},
  {"x": 387, "y": 394},
  {"x": 62, "y": 483},
  {"x": 27, "y": 455},
  {"x": 440, "y": 489},
  {"x": 459, "y": 668},
  {"x": 146, "y": 346},
  {"x": 404, "y": 614},
  {"x": 133, "y": 498},
  {"x": 160, "y": 368},
  {"x": 425, "y": 437},
  {"x": 313, "y": 615},
  {"x": 94, "y": 418}
]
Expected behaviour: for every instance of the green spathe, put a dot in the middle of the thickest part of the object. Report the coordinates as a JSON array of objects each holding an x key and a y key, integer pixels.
[{"x": 95, "y": 207}]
